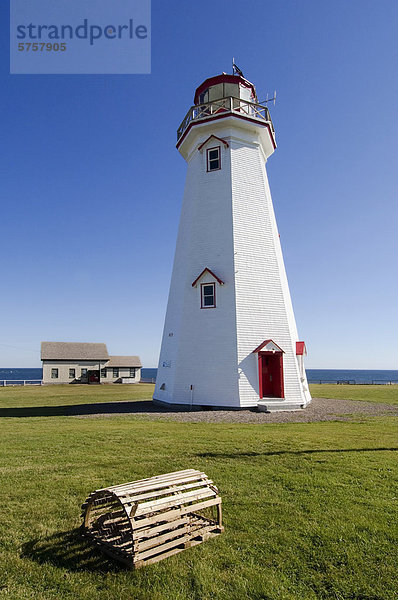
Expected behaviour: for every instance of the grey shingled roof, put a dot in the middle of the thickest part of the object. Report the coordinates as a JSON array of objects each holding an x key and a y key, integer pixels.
[
  {"x": 73, "y": 351},
  {"x": 124, "y": 361}
]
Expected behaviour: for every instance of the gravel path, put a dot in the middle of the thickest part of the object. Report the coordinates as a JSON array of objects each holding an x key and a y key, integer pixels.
[{"x": 320, "y": 409}]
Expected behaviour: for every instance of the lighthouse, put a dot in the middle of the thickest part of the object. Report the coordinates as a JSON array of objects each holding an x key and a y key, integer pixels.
[{"x": 230, "y": 338}]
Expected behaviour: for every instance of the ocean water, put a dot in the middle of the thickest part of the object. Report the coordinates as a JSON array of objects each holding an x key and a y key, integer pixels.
[
  {"x": 330, "y": 375},
  {"x": 149, "y": 374},
  {"x": 13, "y": 374},
  {"x": 352, "y": 376},
  {"x": 314, "y": 375}
]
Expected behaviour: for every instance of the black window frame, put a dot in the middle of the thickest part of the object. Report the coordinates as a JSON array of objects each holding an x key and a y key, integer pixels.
[
  {"x": 83, "y": 373},
  {"x": 115, "y": 370},
  {"x": 103, "y": 373},
  {"x": 72, "y": 373},
  {"x": 203, "y": 295},
  {"x": 211, "y": 160},
  {"x": 54, "y": 373}
]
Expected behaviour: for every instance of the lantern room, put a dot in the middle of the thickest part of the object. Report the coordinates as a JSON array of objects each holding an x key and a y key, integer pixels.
[{"x": 225, "y": 86}]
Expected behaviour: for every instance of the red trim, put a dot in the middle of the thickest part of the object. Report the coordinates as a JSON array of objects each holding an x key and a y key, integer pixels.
[
  {"x": 224, "y": 78},
  {"x": 300, "y": 348},
  {"x": 216, "y": 138},
  {"x": 201, "y": 295},
  {"x": 207, "y": 159},
  {"x": 229, "y": 114},
  {"x": 260, "y": 376},
  {"x": 282, "y": 378},
  {"x": 261, "y": 346},
  {"x": 206, "y": 269}
]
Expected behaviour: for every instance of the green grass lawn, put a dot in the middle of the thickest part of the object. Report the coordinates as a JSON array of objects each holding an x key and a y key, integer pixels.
[
  {"x": 309, "y": 509},
  {"x": 68, "y": 395},
  {"x": 387, "y": 394},
  {"x": 71, "y": 395}
]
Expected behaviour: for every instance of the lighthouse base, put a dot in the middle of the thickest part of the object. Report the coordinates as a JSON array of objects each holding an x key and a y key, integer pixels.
[{"x": 278, "y": 405}]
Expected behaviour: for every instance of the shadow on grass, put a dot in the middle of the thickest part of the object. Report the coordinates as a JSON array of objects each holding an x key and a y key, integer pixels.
[
  {"x": 281, "y": 452},
  {"x": 142, "y": 406},
  {"x": 69, "y": 550}
]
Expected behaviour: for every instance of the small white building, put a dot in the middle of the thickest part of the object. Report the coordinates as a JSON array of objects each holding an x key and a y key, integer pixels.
[
  {"x": 230, "y": 336},
  {"x": 70, "y": 362}
]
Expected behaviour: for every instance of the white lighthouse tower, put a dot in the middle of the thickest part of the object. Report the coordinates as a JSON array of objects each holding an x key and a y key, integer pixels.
[{"x": 230, "y": 337}]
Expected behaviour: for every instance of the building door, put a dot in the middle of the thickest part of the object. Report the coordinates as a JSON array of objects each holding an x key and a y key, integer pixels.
[
  {"x": 271, "y": 374},
  {"x": 93, "y": 376}
]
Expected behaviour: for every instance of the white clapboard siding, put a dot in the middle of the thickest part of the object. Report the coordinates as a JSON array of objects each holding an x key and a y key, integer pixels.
[{"x": 227, "y": 225}]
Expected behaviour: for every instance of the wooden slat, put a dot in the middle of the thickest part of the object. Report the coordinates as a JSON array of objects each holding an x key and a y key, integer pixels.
[
  {"x": 166, "y": 490},
  {"x": 169, "y": 501},
  {"x": 174, "y": 514},
  {"x": 154, "y": 559},
  {"x": 131, "y": 490},
  {"x": 203, "y": 531},
  {"x": 168, "y": 515},
  {"x": 152, "y": 531},
  {"x": 186, "y": 539},
  {"x": 164, "y": 484},
  {"x": 150, "y": 480},
  {"x": 201, "y": 505},
  {"x": 103, "y": 542},
  {"x": 160, "y": 539},
  {"x": 153, "y": 478},
  {"x": 162, "y": 548}
]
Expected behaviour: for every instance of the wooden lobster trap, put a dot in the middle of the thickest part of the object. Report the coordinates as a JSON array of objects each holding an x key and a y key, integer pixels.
[{"x": 144, "y": 521}]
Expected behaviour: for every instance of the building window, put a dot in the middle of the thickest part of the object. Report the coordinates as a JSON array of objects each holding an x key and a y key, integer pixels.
[
  {"x": 214, "y": 159},
  {"x": 72, "y": 373},
  {"x": 115, "y": 373},
  {"x": 132, "y": 372},
  {"x": 84, "y": 373},
  {"x": 54, "y": 373},
  {"x": 208, "y": 295},
  {"x": 103, "y": 373}
]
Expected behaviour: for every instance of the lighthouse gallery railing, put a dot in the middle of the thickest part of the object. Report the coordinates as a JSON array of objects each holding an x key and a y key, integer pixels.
[{"x": 231, "y": 105}]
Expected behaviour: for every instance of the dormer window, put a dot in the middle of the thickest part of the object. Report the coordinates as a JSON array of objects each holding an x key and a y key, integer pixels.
[
  {"x": 208, "y": 295},
  {"x": 207, "y": 290},
  {"x": 213, "y": 159}
]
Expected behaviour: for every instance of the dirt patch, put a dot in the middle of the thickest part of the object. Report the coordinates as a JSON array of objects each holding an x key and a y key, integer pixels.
[{"x": 320, "y": 409}]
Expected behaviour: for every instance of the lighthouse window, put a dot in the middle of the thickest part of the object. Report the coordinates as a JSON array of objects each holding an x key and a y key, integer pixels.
[
  {"x": 204, "y": 97},
  {"x": 213, "y": 159},
  {"x": 208, "y": 291}
]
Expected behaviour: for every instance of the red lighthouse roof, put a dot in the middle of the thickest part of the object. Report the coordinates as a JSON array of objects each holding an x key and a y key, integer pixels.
[
  {"x": 223, "y": 78},
  {"x": 300, "y": 348}
]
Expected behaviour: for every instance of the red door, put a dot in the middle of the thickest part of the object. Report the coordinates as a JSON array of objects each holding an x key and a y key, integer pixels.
[{"x": 271, "y": 374}]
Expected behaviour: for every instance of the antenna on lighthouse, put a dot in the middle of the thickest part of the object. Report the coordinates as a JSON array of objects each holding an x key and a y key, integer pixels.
[
  {"x": 273, "y": 99},
  {"x": 235, "y": 68}
]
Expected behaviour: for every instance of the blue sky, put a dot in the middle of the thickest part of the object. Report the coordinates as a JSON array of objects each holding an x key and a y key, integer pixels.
[{"x": 91, "y": 182}]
